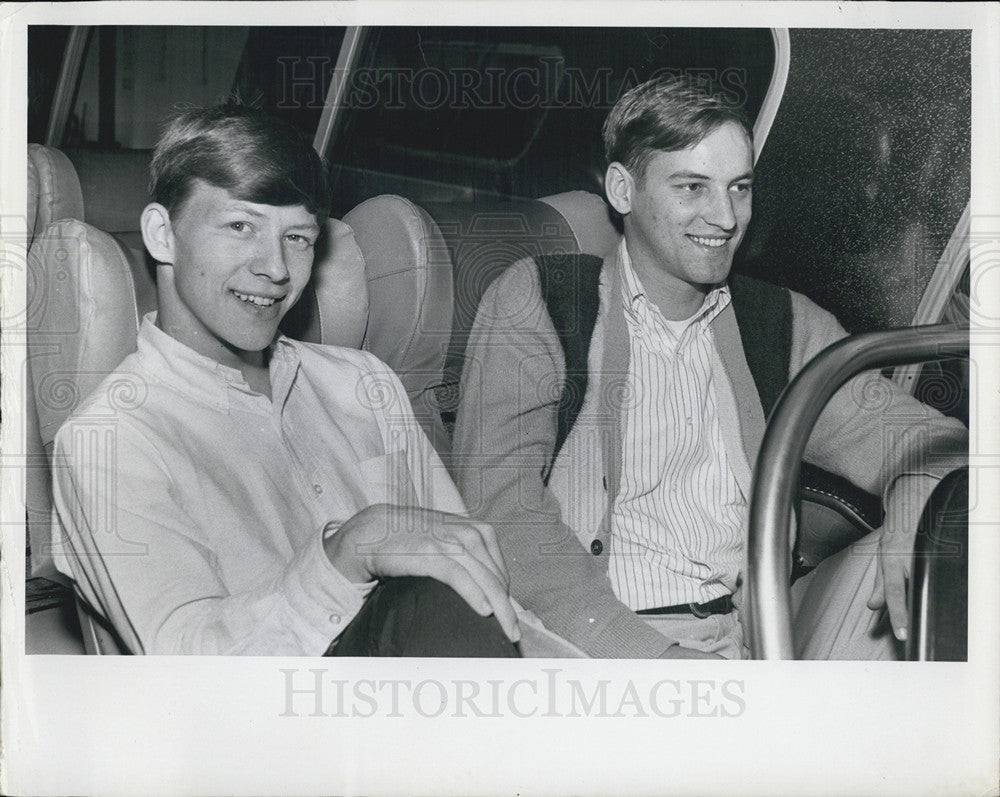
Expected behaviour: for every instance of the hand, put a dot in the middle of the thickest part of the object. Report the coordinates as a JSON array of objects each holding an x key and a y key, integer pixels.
[
  {"x": 678, "y": 652},
  {"x": 386, "y": 540},
  {"x": 892, "y": 573}
]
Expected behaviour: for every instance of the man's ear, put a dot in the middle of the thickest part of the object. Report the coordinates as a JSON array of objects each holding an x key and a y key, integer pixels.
[
  {"x": 157, "y": 233},
  {"x": 619, "y": 186}
]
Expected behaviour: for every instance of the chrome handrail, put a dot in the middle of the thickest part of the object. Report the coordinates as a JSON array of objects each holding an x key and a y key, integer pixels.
[
  {"x": 66, "y": 86},
  {"x": 780, "y": 457},
  {"x": 333, "y": 106}
]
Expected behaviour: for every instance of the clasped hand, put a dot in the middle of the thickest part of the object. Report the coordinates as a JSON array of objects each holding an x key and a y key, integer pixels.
[{"x": 386, "y": 540}]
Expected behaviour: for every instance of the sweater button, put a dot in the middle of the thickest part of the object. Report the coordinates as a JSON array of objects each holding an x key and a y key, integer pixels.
[{"x": 596, "y": 547}]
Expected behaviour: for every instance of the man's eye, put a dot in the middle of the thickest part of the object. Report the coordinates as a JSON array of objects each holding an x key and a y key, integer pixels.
[
  {"x": 691, "y": 187},
  {"x": 299, "y": 240},
  {"x": 743, "y": 188},
  {"x": 238, "y": 226}
]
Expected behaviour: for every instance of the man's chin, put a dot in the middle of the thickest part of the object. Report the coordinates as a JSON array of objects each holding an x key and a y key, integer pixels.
[
  {"x": 714, "y": 275},
  {"x": 257, "y": 342}
]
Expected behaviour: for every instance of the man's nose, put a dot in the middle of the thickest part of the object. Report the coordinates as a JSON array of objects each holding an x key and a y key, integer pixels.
[
  {"x": 270, "y": 260},
  {"x": 720, "y": 212}
]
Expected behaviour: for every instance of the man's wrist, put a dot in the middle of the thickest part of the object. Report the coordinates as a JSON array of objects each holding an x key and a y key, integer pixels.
[
  {"x": 341, "y": 551},
  {"x": 906, "y": 500}
]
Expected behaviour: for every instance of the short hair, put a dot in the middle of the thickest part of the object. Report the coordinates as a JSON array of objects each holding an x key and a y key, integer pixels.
[
  {"x": 666, "y": 114},
  {"x": 248, "y": 152}
]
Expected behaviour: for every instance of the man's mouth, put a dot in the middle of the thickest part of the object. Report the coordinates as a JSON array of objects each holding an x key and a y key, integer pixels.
[
  {"x": 254, "y": 299},
  {"x": 705, "y": 241}
]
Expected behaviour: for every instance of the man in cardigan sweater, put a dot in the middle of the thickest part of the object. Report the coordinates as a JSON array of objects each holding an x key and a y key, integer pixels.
[{"x": 613, "y": 411}]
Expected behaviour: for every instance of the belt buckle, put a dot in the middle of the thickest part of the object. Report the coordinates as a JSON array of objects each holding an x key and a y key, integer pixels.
[{"x": 698, "y": 612}]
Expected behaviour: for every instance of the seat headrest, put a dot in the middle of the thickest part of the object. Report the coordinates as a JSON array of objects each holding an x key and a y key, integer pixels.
[
  {"x": 56, "y": 186},
  {"x": 334, "y": 307},
  {"x": 409, "y": 277},
  {"x": 589, "y": 217}
]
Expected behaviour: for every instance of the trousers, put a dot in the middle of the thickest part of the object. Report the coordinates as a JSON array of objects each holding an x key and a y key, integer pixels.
[
  {"x": 830, "y": 616},
  {"x": 420, "y": 616}
]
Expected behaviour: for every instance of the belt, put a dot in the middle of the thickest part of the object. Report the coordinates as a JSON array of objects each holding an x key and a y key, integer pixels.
[{"x": 720, "y": 605}]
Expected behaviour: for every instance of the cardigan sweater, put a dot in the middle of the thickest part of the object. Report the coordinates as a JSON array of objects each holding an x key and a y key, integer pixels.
[
  {"x": 764, "y": 320},
  {"x": 551, "y": 509}
]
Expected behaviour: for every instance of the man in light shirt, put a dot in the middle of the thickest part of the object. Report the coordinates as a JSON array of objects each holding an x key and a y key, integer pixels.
[
  {"x": 616, "y": 414},
  {"x": 264, "y": 496}
]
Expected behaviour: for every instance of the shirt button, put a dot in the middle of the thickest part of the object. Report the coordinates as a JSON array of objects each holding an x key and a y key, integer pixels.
[
  {"x": 317, "y": 489},
  {"x": 596, "y": 547}
]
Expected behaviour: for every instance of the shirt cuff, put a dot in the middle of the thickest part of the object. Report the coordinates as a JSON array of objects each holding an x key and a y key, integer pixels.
[{"x": 323, "y": 597}]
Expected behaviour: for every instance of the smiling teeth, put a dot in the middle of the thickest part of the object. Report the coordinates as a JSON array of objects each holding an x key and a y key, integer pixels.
[
  {"x": 709, "y": 241},
  {"x": 260, "y": 301}
]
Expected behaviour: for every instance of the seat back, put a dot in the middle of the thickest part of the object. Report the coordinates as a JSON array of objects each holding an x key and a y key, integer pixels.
[
  {"x": 54, "y": 193},
  {"x": 93, "y": 292},
  {"x": 429, "y": 266}
]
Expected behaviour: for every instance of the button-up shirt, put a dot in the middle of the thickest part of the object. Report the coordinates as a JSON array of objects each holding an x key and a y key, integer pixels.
[
  {"x": 676, "y": 526},
  {"x": 194, "y": 508}
]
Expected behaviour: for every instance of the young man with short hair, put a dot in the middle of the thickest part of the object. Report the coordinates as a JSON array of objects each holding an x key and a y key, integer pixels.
[
  {"x": 263, "y": 496},
  {"x": 621, "y": 504}
]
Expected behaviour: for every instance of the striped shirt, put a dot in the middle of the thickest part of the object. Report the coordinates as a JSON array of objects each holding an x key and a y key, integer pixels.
[{"x": 676, "y": 526}]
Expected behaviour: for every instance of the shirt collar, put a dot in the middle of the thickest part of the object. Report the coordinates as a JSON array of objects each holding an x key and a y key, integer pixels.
[
  {"x": 203, "y": 379},
  {"x": 634, "y": 295}
]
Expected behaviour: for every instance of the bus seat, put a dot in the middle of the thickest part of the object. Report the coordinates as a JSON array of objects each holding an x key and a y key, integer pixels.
[
  {"x": 333, "y": 309},
  {"x": 91, "y": 291},
  {"x": 88, "y": 292},
  {"x": 428, "y": 267},
  {"x": 409, "y": 275},
  {"x": 54, "y": 193}
]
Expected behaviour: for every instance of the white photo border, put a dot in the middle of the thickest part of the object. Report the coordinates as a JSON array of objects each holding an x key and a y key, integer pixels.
[{"x": 172, "y": 725}]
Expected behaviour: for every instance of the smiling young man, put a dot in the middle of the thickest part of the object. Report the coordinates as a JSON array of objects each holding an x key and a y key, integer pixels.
[
  {"x": 256, "y": 499},
  {"x": 620, "y": 496}
]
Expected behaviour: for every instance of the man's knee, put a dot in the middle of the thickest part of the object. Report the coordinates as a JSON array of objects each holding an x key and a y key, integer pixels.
[{"x": 421, "y": 616}]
